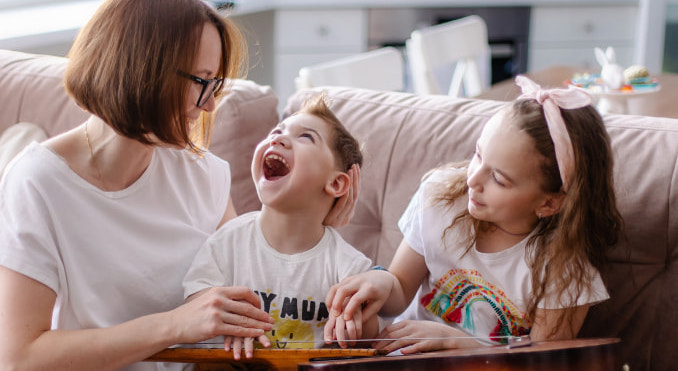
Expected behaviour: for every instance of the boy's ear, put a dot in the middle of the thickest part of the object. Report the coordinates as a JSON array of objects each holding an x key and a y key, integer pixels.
[
  {"x": 551, "y": 205},
  {"x": 338, "y": 185}
]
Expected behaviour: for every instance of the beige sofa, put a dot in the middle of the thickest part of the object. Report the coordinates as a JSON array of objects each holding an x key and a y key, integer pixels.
[
  {"x": 31, "y": 90},
  {"x": 405, "y": 135}
]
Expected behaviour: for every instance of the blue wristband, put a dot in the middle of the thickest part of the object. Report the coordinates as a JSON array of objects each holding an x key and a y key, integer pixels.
[{"x": 378, "y": 268}]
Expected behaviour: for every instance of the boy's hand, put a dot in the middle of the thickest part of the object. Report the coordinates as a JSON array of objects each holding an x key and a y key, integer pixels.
[
  {"x": 346, "y": 330},
  {"x": 248, "y": 342}
]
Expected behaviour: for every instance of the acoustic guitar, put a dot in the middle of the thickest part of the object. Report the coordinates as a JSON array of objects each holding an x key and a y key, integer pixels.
[
  {"x": 213, "y": 359},
  {"x": 569, "y": 355}
]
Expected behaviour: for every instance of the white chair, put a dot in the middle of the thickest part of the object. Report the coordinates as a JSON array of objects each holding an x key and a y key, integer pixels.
[
  {"x": 380, "y": 69},
  {"x": 462, "y": 42}
]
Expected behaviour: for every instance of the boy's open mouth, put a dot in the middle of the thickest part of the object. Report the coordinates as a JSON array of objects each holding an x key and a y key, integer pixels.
[{"x": 275, "y": 166}]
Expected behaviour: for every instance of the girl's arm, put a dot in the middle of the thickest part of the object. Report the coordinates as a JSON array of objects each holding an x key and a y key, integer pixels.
[
  {"x": 409, "y": 335},
  {"x": 409, "y": 268},
  {"x": 388, "y": 293},
  {"x": 547, "y": 319},
  {"x": 27, "y": 343}
]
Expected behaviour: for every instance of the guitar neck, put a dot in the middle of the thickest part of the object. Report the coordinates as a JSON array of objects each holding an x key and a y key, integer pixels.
[{"x": 279, "y": 359}]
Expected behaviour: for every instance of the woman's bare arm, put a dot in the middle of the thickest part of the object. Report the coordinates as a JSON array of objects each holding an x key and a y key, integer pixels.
[{"x": 27, "y": 343}]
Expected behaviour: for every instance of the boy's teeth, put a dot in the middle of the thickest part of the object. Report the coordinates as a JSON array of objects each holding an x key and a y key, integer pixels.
[{"x": 278, "y": 158}]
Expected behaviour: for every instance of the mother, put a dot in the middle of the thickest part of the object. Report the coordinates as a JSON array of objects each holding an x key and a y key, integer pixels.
[{"x": 98, "y": 225}]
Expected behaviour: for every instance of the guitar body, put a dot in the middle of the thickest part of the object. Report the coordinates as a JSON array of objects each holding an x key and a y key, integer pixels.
[
  {"x": 212, "y": 359},
  {"x": 570, "y": 355}
]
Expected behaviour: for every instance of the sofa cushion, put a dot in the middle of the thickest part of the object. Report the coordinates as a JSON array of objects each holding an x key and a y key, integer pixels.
[
  {"x": 405, "y": 135},
  {"x": 32, "y": 90},
  {"x": 642, "y": 277},
  {"x": 16, "y": 138}
]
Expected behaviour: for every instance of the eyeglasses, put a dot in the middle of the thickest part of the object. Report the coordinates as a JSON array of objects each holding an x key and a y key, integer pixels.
[{"x": 209, "y": 86}]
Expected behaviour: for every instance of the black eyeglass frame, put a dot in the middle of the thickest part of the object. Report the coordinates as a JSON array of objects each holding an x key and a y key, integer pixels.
[{"x": 205, "y": 94}]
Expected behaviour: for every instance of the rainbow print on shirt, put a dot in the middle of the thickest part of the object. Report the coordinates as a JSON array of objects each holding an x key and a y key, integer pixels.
[{"x": 459, "y": 290}]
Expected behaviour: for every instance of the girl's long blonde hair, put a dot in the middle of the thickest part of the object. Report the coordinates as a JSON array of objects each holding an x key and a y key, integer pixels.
[{"x": 588, "y": 223}]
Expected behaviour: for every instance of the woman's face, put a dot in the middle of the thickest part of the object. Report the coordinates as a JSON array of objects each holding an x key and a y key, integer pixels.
[
  {"x": 206, "y": 66},
  {"x": 504, "y": 177}
]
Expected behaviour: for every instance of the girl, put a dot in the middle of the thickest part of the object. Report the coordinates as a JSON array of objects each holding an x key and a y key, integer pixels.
[{"x": 505, "y": 245}]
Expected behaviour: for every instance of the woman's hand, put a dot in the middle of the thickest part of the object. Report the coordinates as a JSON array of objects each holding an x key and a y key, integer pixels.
[
  {"x": 248, "y": 343},
  {"x": 229, "y": 311},
  {"x": 344, "y": 208},
  {"x": 407, "y": 336},
  {"x": 368, "y": 290}
]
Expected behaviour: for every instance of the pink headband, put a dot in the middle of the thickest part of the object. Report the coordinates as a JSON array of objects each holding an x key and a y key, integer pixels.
[{"x": 551, "y": 99}]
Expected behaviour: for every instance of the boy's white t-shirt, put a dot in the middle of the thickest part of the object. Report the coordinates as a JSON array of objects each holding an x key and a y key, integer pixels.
[
  {"x": 109, "y": 256},
  {"x": 484, "y": 294},
  {"x": 292, "y": 288}
]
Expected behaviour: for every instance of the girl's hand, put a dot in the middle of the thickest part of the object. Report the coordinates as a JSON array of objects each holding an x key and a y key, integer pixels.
[
  {"x": 405, "y": 333},
  {"x": 365, "y": 293},
  {"x": 248, "y": 342},
  {"x": 344, "y": 207},
  {"x": 229, "y": 311}
]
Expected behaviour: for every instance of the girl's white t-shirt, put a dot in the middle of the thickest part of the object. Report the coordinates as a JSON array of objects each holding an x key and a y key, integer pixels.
[
  {"x": 110, "y": 257},
  {"x": 483, "y": 294}
]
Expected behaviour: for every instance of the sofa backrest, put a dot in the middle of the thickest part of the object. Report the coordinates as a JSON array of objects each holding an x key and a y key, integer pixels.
[
  {"x": 405, "y": 135},
  {"x": 402, "y": 137},
  {"x": 32, "y": 90}
]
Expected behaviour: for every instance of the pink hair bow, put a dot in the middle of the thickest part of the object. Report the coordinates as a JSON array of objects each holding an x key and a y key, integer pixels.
[{"x": 551, "y": 100}]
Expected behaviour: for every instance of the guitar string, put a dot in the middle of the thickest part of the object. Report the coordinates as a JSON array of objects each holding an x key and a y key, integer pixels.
[{"x": 508, "y": 337}]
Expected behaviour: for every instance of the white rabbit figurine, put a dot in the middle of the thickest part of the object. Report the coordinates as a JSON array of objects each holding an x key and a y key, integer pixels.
[{"x": 611, "y": 73}]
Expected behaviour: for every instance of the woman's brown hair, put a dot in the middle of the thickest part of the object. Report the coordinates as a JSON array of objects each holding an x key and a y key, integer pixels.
[
  {"x": 124, "y": 67},
  {"x": 588, "y": 223}
]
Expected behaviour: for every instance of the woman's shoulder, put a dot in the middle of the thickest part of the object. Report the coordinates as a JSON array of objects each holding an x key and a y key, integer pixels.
[{"x": 36, "y": 160}]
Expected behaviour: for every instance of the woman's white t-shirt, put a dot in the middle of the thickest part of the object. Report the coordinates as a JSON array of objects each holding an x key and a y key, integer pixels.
[
  {"x": 109, "y": 256},
  {"x": 483, "y": 294}
]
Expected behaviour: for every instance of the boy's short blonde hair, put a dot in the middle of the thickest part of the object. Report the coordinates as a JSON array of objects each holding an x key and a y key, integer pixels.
[{"x": 345, "y": 147}]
